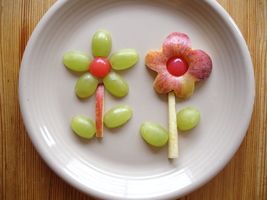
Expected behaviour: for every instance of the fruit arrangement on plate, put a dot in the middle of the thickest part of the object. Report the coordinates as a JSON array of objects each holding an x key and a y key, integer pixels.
[
  {"x": 98, "y": 76},
  {"x": 178, "y": 67}
]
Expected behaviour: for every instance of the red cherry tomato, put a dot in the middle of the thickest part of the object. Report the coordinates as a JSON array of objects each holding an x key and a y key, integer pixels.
[
  {"x": 100, "y": 67},
  {"x": 177, "y": 66}
]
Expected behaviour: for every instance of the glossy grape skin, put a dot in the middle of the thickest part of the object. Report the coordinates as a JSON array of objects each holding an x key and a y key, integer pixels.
[
  {"x": 86, "y": 85},
  {"x": 77, "y": 61},
  {"x": 187, "y": 118},
  {"x": 101, "y": 43},
  {"x": 116, "y": 84},
  {"x": 177, "y": 66},
  {"x": 83, "y": 126},
  {"x": 123, "y": 59},
  {"x": 100, "y": 67},
  {"x": 154, "y": 134},
  {"x": 117, "y": 116}
]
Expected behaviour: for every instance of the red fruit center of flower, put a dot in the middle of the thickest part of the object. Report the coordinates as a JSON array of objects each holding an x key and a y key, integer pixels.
[
  {"x": 177, "y": 66},
  {"x": 99, "y": 67}
]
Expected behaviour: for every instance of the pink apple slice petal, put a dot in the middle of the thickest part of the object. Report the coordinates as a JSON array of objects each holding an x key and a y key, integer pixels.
[
  {"x": 165, "y": 83},
  {"x": 99, "y": 109},
  {"x": 200, "y": 65},
  {"x": 156, "y": 61},
  {"x": 185, "y": 87},
  {"x": 176, "y": 44}
]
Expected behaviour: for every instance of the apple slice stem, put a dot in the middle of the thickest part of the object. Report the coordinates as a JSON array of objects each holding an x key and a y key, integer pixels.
[
  {"x": 99, "y": 109},
  {"x": 173, "y": 131}
]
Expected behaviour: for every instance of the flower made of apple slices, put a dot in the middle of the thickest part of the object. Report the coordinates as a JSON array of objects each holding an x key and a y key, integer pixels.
[
  {"x": 178, "y": 67},
  {"x": 99, "y": 74}
]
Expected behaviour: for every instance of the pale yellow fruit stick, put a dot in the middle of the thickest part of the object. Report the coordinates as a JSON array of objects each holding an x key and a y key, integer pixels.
[{"x": 173, "y": 131}]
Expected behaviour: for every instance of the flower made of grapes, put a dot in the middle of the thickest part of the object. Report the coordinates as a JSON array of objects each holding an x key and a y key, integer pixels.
[
  {"x": 99, "y": 75},
  {"x": 100, "y": 67},
  {"x": 178, "y": 65}
]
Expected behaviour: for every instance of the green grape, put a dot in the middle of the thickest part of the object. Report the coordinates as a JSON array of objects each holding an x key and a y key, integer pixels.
[
  {"x": 123, "y": 59},
  {"x": 154, "y": 134},
  {"x": 187, "y": 118},
  {"x": 101, "y": 43},
  {"x": 116, "y": 84},
  {"x": 117, "y": 116},
  {"x": 83, "y": 126},
  {"x": 77, "y": 61},
  {"x": 86, "y": 85}
]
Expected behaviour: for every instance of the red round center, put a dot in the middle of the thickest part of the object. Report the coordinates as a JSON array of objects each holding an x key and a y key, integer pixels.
[
  {"x": 100, "y": 67},
  {"x": 177, "y": 66}
]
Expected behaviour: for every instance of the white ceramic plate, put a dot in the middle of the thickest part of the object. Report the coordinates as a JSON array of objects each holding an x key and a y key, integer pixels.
[{"x": 122, "y": 165}]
